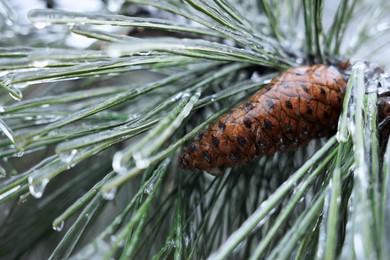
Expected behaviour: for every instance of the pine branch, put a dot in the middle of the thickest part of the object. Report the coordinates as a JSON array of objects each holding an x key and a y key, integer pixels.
[{"x": 90, "y": 137}]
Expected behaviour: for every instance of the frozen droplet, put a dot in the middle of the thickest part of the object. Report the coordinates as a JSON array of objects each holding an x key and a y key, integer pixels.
[
  {"x": 113, "y": 238},
  {"x": 187, "y": 240},
  {"x": 41, "y": 25},
  {"x": 58, "y": 226},
  {"x": 384, "y": 85},
  {"x": 68, "y": 156},
  {"x": 20, "y": 153},
  {"x": 117, "y": 163},
  {"x": 140, "y": 161},
  {"x": 71, "y": 166},
  {"x": 114, "y": 52},
  {"x": 352, "y": 127},
  {"x": 115, "y": 5},
  {"x": 342, "y": 134},
  {"x": 149, "y": 189},
  {"x": 40, "y": 63},
  {"x": 172, "y": 243},
  {"x": 230, "y": 42},
  {"x": 3, "y": 172},
  {"x": 372, "y": 86},
  {"x": 151, "y": 186},
  {"x": 109, "y": 195},
  {"x": 24, "y": 197},
  {"x": 78, "y": 41},
  {"x": 187, "y": 95},
  {"x": 176, "y": 97},
  {"x": 37, "y": 186},
  {"x": 20, "y": 144},
  {"x": 144, "y": 53}
]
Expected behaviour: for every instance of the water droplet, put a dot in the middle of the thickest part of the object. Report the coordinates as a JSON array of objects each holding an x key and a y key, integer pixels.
[
  {"x": 68, "y": 156},
  {"x": 59, "y": 226},
  {"x": 37, "y": 186},
  {"x": 109, "y": 195}
]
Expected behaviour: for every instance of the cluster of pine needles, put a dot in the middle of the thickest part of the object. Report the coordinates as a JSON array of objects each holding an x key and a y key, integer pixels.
[{"x": 90, "y": 137}]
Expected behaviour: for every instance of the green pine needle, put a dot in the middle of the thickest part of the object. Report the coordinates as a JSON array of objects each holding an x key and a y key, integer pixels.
[{"x": 90, "y": 138}]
